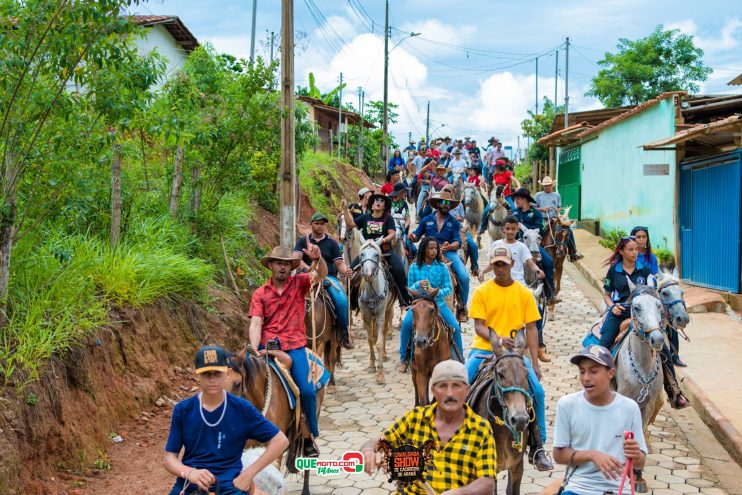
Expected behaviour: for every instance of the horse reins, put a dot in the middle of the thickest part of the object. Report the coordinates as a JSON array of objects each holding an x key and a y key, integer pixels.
[
  {"x": 500, "y": 392},
  {"x": 642, "y": 333}
]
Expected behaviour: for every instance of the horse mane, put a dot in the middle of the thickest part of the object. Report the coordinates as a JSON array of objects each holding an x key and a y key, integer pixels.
[
  {"x": 425, "y": 296},
  {"x": 371, "y": 243},
  {"x": 641, "y": 290},
  {"x": 253, "y": 366}
]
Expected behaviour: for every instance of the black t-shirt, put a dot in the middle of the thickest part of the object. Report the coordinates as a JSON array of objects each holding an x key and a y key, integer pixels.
[
  {"x": 615, "y": 282},
  {"x": 373, "y": 228},
  {"x": 328, "y": 247},
  {"x": 355, "y": 210}
]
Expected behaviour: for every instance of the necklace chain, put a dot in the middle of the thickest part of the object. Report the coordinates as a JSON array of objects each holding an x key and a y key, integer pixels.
[{"x": 201, "y": 410}]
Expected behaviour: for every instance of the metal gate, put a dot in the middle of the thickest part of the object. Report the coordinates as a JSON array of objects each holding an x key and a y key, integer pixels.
[
  {"x": 568, "y": 180},
  {"x": 710, "y": 221}
]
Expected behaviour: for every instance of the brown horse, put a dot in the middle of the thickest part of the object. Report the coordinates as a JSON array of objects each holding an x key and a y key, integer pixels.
[
  {"x": 432, "y": 340},
  {"x": 260, "y": 385},
  {"x": 501, "y": 394},
  {"x": 555, "y": 243},
  {"x": 322, "y": 335}
]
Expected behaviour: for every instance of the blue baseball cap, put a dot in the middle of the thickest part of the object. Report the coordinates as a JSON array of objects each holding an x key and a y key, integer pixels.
[{"x": 597, "y": 353}]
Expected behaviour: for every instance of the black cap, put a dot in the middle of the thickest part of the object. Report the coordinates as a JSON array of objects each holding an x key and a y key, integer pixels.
[
  {"x": 523, "y": 193},
  {"x": 597, "y": 353},
  {"x": 211, "y": 358},
  {"x": 398, "y": 188},
  {"x": 390, "y": 174}
]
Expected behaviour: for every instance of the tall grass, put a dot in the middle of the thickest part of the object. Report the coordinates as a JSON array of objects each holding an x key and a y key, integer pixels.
[{"x": 63, "y": 285}]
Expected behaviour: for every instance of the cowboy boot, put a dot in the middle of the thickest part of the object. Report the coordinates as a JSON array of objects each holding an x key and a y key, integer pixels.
[
  {"x": 537, "y": 455},
  {"x": 542, "y": 356},
  {"x": 674, "y": 394}
]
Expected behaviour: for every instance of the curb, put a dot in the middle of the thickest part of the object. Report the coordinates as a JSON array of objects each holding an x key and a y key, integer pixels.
[{"x": 719, "y": 424}]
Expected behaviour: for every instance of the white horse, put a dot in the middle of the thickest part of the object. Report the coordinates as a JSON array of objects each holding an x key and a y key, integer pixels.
[
  {"x": 376, "y": 302},
  {"x": 473, "y": 206},
  {"x": 497, "y": 213}
]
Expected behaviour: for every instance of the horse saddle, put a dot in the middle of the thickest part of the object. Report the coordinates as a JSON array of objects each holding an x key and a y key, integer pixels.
[
  {"x": 482, "y": 381},
  {"x": 593, "y": 335},
  {"x": 318, "y": 374}
]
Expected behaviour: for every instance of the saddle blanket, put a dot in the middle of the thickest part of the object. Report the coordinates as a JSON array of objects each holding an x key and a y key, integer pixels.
[
  {"x": 320, "y": 378},
  {"x": 592, "y": 339}
]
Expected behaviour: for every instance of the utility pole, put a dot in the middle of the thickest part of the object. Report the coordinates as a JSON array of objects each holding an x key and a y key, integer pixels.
[
  {"x": 340, "y": 115},
  {"x": 409, "y": 136},
  {"x": 556, "y": 78},
  {"x": 427, "y": 127},
  {"x": 252, "y": 37},
  {"x": 287, "y": 174},
  {"x": 272, "y": 38},
  {"x": 566, "y": 84},
  {"x": 536, "y": 85},
  {"x": 385, "y": 123}
]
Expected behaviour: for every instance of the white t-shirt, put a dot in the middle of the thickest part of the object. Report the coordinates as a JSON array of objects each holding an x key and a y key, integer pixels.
[
  {"x": 521, "y": 255},
  {"x": 580, "y": 425},
  {"x": 458, "y": 165}
]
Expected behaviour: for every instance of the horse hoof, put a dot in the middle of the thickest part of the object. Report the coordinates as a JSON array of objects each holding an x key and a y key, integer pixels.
[
  {"x": 640, "y": 486},
  {"x": 380, "y": 378},
  {"x": 371, "y": 368}
]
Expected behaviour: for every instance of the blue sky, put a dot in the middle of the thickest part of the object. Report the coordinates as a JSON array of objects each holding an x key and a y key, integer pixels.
[{"x": 474, "y": 60}]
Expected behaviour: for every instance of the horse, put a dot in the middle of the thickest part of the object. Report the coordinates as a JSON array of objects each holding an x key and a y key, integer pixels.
[
  {"x": 376, "y": 302},
  {"x": 638, "y": 364},
  {"x": 672, "y": 297},
  {"x": 501, "y": 394},
  {"x": 473, "y": 206},
  {"x": 322, "y": 330},
  {"x": 432, "y": 339},
  {"x": 497, "y": 214},
  {"x": 555, "y": 243},
  {"x": 532, "y": 239},
  {"x": 457, "y": 179},
  {"x": 260, "y": 385}
]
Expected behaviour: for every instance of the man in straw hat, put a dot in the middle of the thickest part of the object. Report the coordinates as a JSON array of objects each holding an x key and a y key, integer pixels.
[
  {"x": 444, "y": 227},
  {"x": 549, "y": 202},
  {"x": 465, "y": 462},
  {"x": 277, "y": 313}
]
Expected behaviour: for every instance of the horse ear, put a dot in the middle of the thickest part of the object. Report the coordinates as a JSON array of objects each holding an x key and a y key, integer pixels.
[
  {"x": 652, "y": 281},
  {"x": 539, "y": 290},
  {"x": 632, "y": 286},
  {"x": 413, "y": 293},
  {"x": 495, "y": 343},
  {"x": 522, "y": 227},
  {"x": 520, "y": 341},
  {"x": 676, "y": 272}
]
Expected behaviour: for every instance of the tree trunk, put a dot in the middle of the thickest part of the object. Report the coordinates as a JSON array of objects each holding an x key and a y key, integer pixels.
[
  {"x": 7, "y": 227},
  {"x": 116, "y": 196},
  {"x": 195, "y": 188},
  {"x": 177, "y": 183},
  {"x": 144, "y": 160}
]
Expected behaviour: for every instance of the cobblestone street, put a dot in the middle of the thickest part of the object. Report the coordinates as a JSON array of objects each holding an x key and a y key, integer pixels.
[{"x": 359, "y": 409}]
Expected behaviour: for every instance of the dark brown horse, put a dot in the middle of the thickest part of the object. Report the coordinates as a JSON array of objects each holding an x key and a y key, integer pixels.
[
  {"x": 325, "y": 330},
  {"x": 260, "y": 385},
  {"x": 501, "y": 394},
  {"x": 555, "y": 243},
  {"x": 432, "y": 340}
]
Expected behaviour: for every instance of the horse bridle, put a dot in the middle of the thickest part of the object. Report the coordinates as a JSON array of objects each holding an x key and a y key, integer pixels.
[
  {"x": 499, "y": 394},
  {"x": 436, "y": 326},
  {"x": 377, "y": 297}
]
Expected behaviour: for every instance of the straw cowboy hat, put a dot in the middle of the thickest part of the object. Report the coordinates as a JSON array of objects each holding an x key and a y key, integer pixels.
[
  {"x": 443, "y": 196},
  {"x": 280, "y": 253},
  {"x": 547, "y": 181}
]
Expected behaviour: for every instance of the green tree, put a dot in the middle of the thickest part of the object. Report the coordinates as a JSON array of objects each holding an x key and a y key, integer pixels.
[
  {"x": 538, "y": 126},
  {"x": 644, "y": 68}
]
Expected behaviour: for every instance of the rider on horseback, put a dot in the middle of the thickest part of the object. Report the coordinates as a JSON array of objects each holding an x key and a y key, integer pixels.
[
  {"x": 531, "y": 218},
  {"x": 506, "y": 179},
  {"x": 379, "y": 226},
  {"x": 548, "y": 203},
  {"x": 465, "y": 459},
  {"x": 459, "y": 213},
  {"x": 330, "y": 251},
  {"x": 444, "y": 227},
  {"x": 503, "y": 305},
  {"x": 430, "y": 275},
  {"x": 277, "y": 312},
  {"x": 213, "y": 435},
  {"x": 361, "y": 207}
]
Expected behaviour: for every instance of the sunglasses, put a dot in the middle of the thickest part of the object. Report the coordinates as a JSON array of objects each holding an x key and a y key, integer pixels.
[
  {"x": 445, "y": 202},
  {"x": 628, "y": 238}
]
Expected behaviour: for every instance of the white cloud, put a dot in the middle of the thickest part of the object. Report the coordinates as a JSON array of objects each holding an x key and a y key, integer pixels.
[{"x": 726, "y": 39}]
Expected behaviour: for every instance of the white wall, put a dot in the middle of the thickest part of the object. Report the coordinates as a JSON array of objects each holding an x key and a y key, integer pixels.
[{"x": 159, "y": 38}]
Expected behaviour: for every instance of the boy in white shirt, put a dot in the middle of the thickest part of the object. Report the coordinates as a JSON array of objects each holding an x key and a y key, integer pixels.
[{"x": 590, "y": 425}]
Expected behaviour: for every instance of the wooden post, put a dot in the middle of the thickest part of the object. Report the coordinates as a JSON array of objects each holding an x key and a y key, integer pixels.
[
  {"x": 331, "y": 143},
  {"x": 534, "y": 171},
  {"x": 287, "y": 172},
  {"x": 552, "y": 162}
]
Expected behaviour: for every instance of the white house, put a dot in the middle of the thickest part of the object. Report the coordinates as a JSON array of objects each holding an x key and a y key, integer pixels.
[{"x": 169, "y": 36}]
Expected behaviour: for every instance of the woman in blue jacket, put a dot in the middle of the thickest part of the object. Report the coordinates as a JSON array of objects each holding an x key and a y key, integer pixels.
[{"x": 396, "y": 162}]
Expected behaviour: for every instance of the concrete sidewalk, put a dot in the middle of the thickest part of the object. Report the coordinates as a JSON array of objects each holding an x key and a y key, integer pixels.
[{"x": 711, "y": 380}]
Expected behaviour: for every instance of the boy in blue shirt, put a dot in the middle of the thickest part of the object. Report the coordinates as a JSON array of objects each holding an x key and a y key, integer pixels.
[{"x": 212, "y": 429}]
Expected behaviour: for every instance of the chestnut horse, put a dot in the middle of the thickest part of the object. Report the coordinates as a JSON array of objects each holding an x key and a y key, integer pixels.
[
  {"x": 260, "y": 385},
  {"x": 322, "y": 330},
  {"x": 432, "y": 340},
  {"x": 555, "y": 243}
]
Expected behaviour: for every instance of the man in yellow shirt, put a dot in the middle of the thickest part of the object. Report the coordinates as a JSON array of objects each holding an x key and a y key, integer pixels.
[{"x": 503, "y": 305}]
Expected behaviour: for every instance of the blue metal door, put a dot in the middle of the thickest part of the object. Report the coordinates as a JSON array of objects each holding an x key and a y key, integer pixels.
[{"x": 710, "y": 221}]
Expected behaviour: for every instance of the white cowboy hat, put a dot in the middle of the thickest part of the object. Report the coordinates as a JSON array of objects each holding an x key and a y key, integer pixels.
[{"x": 547, "y": 181}]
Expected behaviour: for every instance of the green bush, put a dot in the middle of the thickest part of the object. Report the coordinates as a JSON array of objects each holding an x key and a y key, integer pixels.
[
  {"x": 664, "y": 256},
  {"x": 612, "y": 238}
]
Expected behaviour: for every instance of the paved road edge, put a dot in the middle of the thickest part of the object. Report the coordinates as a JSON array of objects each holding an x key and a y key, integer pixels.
[{"x": 719, "y": 424}]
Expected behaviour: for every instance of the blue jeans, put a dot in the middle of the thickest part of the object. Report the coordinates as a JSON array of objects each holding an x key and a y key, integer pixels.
[
  {"x": 548, "y": 265},
  {"x": 540, "y": 326},
  {"x": 611, "y": 326},
  {"x": 486, "y": 213},
  {"x": 405, "y": 333},
  {"x": 418, "y": 207},
  {"x": 411, "y": 246},
  {"x": 300, "y": 372},
  {"x": 473, "y": 251},
  {"x": 461, "y": 274},
  {"x": 340, "y": 298},
  {"x": 476, "y": 356}
]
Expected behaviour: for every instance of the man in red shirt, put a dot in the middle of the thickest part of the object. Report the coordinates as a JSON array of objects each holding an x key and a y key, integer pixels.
[
  {"x": 277, "y": 312},
  {"x": 392, "y": 177}
]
